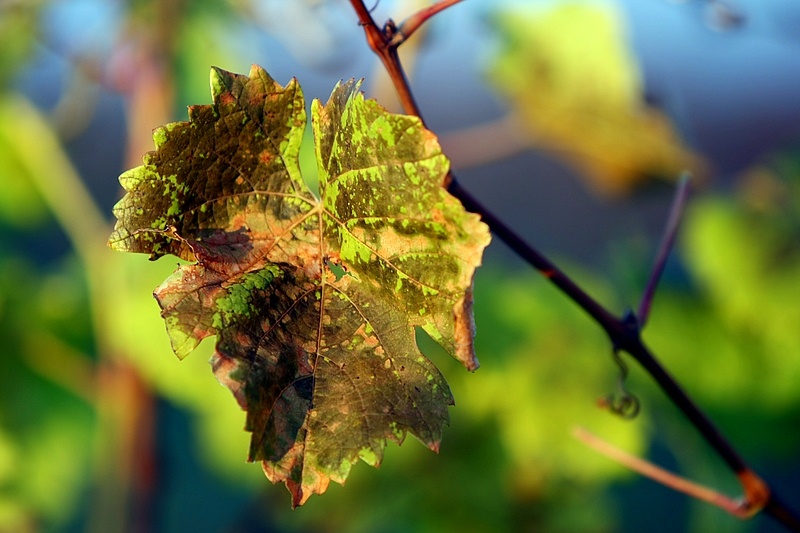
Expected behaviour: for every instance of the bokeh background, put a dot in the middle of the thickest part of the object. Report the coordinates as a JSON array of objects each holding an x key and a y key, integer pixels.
[{"x": 571, "y": 119}]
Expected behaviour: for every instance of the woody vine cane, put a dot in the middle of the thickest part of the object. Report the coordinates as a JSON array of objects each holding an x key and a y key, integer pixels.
[{"x": 624, "y": 333}]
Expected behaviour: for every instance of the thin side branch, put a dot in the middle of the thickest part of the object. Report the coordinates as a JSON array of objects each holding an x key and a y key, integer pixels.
[
  {"x": 406, "y": 28},
  {"x": 659, "y": 475},
  {"x": 664, "y": 249}
]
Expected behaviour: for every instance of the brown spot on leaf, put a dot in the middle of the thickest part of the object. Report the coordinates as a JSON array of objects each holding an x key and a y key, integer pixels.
[{"x": 266, "y": 157}]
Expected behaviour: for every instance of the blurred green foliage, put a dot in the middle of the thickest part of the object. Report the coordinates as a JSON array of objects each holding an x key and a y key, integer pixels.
[
  {"x": 726, "y": 327},
  {"x": 45, "y": 429},
  {"x": 18, "y": 32}
]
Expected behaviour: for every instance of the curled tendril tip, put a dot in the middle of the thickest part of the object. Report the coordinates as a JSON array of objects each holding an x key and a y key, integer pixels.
[{"x": 623, "y": 403}]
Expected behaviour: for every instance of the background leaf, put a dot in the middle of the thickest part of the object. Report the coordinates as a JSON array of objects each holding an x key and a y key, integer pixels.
[{"x": 590, "y": 113}]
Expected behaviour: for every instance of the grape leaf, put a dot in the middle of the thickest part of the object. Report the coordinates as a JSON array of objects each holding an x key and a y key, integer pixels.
[{"x": 313, "y": 300}]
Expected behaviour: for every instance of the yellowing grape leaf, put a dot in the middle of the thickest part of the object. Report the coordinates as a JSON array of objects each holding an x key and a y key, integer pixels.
[
  {"x": 313, "y": 300},
  {"x": 575, "y": 88}
]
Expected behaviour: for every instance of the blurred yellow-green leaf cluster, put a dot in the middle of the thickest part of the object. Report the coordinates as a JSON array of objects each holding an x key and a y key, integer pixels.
[{"x": 575, "y": 90}]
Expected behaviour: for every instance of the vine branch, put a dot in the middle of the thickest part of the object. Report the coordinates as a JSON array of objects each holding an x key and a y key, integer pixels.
[{"x": 624, "y": 332}]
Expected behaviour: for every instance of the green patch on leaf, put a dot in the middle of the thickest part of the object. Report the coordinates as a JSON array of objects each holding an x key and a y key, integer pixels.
[{"x": 313, "y": 298}]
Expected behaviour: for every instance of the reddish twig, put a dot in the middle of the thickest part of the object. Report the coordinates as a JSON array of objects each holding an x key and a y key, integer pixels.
[
  {"x": 659, "y": 475},
  {"x": 623, "y": 332},
  {"x": 381, "y": 42},
  {"x": 406, "y": 28}
]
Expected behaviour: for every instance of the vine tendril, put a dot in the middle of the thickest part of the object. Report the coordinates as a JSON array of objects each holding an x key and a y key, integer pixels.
[{"x": 622, "y": 403}]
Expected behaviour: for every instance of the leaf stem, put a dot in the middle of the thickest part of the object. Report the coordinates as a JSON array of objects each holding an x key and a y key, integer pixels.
[{"x": 624, "y": 334}]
